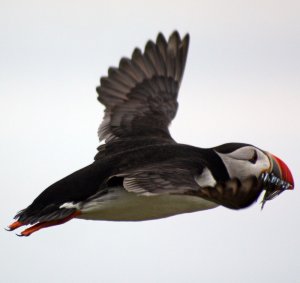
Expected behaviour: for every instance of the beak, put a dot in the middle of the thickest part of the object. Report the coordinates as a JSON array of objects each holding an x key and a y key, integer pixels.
[
  {"x": 277, "y": 179},
  {"x": 280, "y": 170}
]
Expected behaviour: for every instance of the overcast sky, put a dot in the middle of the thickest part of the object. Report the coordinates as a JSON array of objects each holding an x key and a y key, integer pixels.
[{"x": 241, "y": 84}]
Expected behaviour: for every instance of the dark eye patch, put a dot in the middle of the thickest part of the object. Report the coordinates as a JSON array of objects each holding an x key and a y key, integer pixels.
[{"x": 253, "y": 159}]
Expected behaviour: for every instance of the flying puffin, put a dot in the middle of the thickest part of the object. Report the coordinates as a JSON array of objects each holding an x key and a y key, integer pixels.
[{"x": 140, "y": 172}]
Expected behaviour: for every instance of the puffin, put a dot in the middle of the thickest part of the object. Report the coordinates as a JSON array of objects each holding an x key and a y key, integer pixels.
[{"x": 140, "y": 172}]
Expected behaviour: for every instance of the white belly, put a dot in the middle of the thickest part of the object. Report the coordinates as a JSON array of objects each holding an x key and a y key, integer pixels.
[{"x": 120, "y": 205}]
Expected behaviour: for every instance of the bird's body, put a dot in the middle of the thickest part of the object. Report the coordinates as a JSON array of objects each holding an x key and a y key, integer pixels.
[
  {"x": 141, "y": 173},
  {"x": 97, "y": 190}
]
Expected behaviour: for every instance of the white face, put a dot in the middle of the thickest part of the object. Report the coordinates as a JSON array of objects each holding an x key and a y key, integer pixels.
[{"x": 245, "y": 161}]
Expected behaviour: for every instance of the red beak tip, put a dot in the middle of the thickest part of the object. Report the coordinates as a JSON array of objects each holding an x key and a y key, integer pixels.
[{"x": 285, "y": 172}]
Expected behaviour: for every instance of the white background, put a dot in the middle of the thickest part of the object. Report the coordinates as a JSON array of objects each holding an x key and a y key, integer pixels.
[{"x": 241, "y": 84}]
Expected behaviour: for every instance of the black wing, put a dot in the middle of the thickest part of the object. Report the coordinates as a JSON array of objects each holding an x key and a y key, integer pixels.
[
  {"x": 162, "y": 180},
  {"x": 166, "y": 179},
  {"x": 141, "y": 95}
]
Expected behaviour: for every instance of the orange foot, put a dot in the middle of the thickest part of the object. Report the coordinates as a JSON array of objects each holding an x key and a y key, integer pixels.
[
  {"x": 14, "y": 226},
  {"x": 27, "y": 232}
]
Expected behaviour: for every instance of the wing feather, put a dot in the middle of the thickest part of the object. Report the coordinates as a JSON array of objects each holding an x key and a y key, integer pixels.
[{"x": 140, "y": 95}]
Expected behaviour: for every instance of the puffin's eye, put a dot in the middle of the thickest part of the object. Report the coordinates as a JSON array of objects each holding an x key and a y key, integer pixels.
[{"x": 253, "y": 159}]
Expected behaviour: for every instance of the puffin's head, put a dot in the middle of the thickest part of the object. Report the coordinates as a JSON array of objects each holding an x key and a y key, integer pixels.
[{"x": 243, "y": 160}]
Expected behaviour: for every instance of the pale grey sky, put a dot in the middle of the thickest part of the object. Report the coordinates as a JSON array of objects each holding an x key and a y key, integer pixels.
[{"x": 241, "y": 84}]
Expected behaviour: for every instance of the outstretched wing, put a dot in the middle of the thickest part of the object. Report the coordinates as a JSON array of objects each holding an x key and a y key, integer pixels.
[{"x": 140, "y": 95}]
